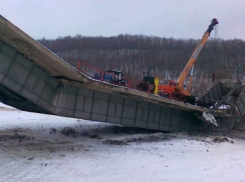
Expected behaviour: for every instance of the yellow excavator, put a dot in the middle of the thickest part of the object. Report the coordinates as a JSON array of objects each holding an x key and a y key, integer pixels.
[{"x": 176, "y": 90}]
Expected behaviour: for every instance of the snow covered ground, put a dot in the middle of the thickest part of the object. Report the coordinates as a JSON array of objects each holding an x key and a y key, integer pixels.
[{"x": 37, "y": 147}]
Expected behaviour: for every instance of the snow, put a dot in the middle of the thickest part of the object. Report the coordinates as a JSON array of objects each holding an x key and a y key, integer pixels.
[{"x": 35, "y": 147}]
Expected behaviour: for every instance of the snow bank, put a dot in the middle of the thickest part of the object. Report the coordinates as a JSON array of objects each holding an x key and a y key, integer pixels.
[{"x": 35, "y": 147}]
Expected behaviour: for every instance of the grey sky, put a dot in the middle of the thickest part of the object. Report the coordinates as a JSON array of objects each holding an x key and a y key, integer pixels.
[{"x": 162, "y": 18}]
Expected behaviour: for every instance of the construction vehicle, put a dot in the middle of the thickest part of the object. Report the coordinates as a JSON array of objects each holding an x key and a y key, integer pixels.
[
  {"x": 111, "y": 76},
  {"x": 177, "y": 90},
  {"x": 149, "y": 83}
]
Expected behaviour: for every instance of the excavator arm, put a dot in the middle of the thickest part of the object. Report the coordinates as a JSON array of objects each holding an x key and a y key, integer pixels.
[{"x": 194, "y": 56}]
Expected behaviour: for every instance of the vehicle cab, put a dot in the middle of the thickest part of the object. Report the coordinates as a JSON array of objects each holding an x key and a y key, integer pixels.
[{"x": 166, "y": 87}]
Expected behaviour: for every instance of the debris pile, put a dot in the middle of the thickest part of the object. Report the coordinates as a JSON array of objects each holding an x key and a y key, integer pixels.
[
  {"x": 222, "y": 139},
  {"x": 68, "y": 131}
]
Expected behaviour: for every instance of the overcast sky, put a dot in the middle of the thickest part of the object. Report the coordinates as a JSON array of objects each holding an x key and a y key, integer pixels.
[{"x": 162, "y": 18}]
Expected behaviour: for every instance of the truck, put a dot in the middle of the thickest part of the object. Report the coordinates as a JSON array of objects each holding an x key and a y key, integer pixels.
[{"x": 177, "y": 90}]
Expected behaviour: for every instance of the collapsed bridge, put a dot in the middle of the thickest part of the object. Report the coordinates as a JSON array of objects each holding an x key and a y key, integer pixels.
[{"x": 34, "y": 79}]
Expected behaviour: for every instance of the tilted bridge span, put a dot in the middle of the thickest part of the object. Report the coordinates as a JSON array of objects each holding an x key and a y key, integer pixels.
[{"x": 34, "y": 79}]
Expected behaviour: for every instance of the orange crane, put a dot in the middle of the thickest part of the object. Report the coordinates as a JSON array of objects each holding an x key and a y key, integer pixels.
[{"x": 176, "y": 90}]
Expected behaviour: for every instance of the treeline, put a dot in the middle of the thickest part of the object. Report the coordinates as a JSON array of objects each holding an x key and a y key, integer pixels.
[{"x": 164, "y": 57}]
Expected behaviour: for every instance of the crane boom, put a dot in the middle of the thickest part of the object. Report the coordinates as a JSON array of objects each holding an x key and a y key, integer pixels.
[{"x": 195, "y": 54}]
